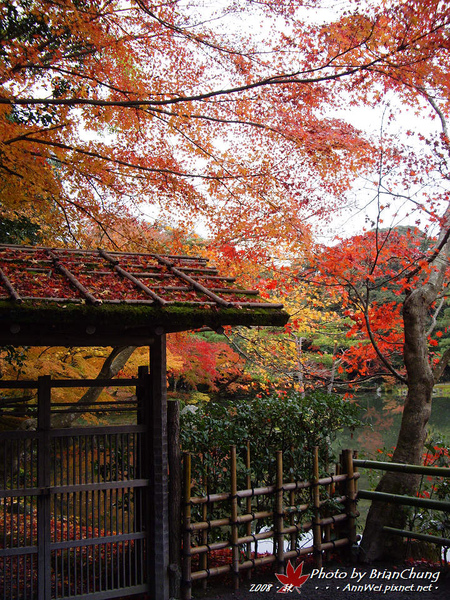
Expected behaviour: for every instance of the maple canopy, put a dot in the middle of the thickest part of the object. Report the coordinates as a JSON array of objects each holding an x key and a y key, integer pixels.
[{"x": 113, "y": 108}]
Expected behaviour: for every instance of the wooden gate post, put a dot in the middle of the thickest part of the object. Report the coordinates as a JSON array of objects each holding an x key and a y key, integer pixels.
[
  {"x": 186, "y": 591},
  {"x": 158, "y": 513},
  {"x": 43, "y": 481},
  {"x": 234, "y": 519},
  {"x": 317, "y": 528},
  {"x": 278, "y": 514},
  {"x": 351, "y": 498}
]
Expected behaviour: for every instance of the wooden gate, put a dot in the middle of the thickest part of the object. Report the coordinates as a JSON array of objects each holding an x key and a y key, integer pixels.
[{"x": 73, "y": 501}]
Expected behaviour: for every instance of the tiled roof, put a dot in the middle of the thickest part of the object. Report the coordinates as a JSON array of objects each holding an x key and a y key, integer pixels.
[
  {"x": 52, "y": 296},
  {"x": 97, "y": 277}
]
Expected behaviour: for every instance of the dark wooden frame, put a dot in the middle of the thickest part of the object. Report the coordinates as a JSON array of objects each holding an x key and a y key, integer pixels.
[{"x": 151, "y": 403}]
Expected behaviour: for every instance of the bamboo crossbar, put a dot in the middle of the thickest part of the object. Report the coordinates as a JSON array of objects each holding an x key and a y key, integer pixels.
[
  {"x": 301, "y": 528},
  {"x": 210, "y": 498},
  {"x": 403, "y": 468},
  {"x": 281, "y": 524},
  {"x": 336, "y": 544},
  {"x": 299, "y": 552},
  {"x": 336, "y": 499},
  {"x": 336, "y": 519},
  {"x": 433, "y": 539},
  {"x": 204, "y": 525},
  {"x": 406, "y": 500},
  {"x": 337, "y": 478},
  {"x": 196, "y": 575},
  {"x": 256, "y": 562},
  {"x": 264, "y": 535},
  {"x": 267, "y": 490},
  {"x": 210, "y": 547},
  {"x": 295, "y": 509},
  {"x": 247, "y": 564}
]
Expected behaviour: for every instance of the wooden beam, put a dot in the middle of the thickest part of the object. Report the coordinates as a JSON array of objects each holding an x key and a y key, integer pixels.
[{"x": 158, "y": 515}]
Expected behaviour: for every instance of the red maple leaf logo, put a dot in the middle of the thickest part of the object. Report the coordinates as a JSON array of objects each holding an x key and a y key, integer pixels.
[{"x": 292, "y": 579}]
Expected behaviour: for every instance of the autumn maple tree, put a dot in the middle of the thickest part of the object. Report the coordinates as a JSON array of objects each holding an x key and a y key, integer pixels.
[
  {"x": 114, "y": 109},
  {"x": 107, "y": 106},
  {"x": 393, "y": 282},
  {"x": 307, "y": 352}
]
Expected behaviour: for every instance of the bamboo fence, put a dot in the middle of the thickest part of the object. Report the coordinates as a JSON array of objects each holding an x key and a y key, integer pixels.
[{"x": 329, "y": 504}]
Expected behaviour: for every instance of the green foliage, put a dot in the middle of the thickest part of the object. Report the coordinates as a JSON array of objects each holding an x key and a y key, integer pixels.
[
  {"x": 281, "y": 421},
  {"x": 19, "y": 230}
]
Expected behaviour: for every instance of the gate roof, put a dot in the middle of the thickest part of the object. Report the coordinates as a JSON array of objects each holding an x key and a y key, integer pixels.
[{"x": 52, "y": 296}]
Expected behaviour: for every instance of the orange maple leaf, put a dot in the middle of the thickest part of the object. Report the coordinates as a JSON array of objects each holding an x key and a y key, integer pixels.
[{"x": 292, "y": 579}]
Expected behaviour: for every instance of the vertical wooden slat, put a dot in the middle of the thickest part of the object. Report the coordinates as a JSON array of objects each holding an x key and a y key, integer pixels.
[
  {"x": 327, "y": 528},
  {"x": 293, "y": 538},
  {"x": 279, "y": 519},
  {"x": 175, "y": 495},
  {"x": 317, "y": 530},
  {"x": 43, "y": 501},
  {"x": 186, "y": 589},
  {"x": 335, "y": 488},
  {"x": 249, "y": 505},
  {"x": 203, "y": 561},
  {"x": 351, "y": 497},
  {"x": 234, "y": 524},
  {"x": 158, "y": 505}
]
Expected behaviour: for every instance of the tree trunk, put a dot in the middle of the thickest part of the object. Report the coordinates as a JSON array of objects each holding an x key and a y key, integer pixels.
[
  {"x": 116, "y": 361},
  {"x": 112, "y": 365},
  {"x": 376, "y": 544}
]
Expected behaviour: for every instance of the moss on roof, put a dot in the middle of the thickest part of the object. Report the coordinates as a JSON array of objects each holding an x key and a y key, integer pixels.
[{"x": 22, "y": 323}]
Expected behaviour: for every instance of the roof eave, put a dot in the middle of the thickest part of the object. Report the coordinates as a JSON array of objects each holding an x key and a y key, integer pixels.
[{"x": 40, "y": 324}]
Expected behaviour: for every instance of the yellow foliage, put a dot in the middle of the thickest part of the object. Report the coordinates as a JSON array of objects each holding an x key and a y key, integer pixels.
[{"x": 198, "y": 398}]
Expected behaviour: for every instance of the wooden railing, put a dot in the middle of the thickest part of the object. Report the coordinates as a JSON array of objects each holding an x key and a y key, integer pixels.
[
  {"x": 425, "y": 503},
  {"x": 297, "y": 507}
]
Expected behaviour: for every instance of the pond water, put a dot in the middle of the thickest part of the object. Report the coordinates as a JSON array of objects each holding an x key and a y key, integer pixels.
[{"x": 382, "y": 416}]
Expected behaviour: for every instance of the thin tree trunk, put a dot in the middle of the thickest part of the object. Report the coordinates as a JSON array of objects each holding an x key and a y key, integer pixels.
[
  {"x": 333, "y": 370},
  {"x": 112, "y": 365},
  {"x": 411, "y": 439}
]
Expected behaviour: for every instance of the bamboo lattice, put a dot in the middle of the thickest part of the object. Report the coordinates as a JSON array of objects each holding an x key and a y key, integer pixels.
[{"x": 331, "y": 529}]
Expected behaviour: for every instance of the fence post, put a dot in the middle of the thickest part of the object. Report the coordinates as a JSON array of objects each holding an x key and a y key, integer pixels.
[
  {"x": 292, "y": 503},
  {"x": 43, "y": 476},
  {"x": 279, "y": 520},
  {"x": 351, "y": 497},
  {"x": 248, "y": 529},
  {"x": 234, "y": 523},
  {"x": 187, "y": 559},
  {"x": 336, "y": 488},
  {"x": 158, "y": 492},
  {"x": 327, "y": 528},
  {"x": 203, "y": 559},
  {"x": 317, "y": 530}
]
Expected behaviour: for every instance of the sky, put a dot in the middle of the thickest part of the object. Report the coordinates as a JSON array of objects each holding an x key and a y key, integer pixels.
[{"x": 361, "y": 204}]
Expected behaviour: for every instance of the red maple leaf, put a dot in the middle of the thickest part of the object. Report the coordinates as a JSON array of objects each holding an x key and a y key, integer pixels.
[{"x": 292, "y": 579}]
